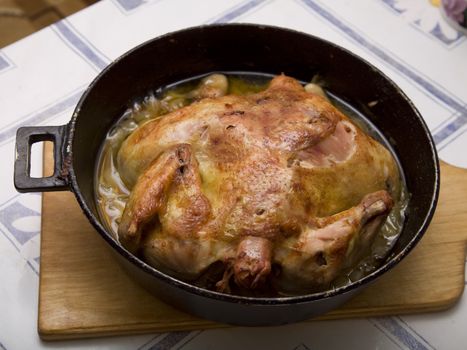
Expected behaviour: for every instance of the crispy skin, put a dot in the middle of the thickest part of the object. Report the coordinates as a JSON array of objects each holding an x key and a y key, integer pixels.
[{"x": 258, "y": 174}]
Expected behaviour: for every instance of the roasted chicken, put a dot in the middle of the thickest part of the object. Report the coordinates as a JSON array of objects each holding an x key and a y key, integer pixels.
[{"x": 278, "y": 186}]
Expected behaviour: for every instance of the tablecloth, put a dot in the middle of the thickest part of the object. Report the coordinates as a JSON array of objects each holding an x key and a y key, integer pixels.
[{"x": 43, "y": 76}]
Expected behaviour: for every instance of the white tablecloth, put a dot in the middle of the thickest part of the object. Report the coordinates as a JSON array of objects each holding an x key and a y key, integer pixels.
[{"x": 43, "y": 76}]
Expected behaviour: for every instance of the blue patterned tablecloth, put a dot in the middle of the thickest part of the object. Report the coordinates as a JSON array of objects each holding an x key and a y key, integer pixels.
[{"x": 43, "y": 76}]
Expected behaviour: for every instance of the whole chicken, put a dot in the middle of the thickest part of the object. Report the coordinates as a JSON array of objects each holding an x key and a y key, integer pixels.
[{"x": 278, "y": 186}]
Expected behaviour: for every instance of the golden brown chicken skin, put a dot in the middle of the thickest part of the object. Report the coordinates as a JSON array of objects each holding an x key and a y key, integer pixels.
[{"x": 278, "y": 178}]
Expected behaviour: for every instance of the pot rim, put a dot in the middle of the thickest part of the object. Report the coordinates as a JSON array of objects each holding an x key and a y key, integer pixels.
[{"x": 236, "y": 298}]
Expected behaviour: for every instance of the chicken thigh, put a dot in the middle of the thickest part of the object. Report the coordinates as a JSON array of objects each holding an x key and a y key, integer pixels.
[{"x": 277, "y": 178}]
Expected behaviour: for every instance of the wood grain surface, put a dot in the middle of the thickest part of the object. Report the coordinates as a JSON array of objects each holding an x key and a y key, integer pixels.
[{"x": 85, "y": 293}]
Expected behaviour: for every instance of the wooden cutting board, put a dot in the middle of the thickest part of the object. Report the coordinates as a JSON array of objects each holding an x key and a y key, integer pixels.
[{"x": 85, "y": 293}]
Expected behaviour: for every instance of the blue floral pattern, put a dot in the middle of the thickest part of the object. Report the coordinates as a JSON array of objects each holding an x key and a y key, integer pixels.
[{"x": 428, "y": 19}]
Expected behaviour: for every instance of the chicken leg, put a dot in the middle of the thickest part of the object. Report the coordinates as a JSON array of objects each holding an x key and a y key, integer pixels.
[{"x": 319, "y": 253}]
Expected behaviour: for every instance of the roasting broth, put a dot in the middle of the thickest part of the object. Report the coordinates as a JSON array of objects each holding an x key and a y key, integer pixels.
[{"x": 112, "y": 194}]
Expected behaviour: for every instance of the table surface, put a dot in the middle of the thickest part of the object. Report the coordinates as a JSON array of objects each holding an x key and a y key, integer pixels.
[{"x": 43, "y": 76}]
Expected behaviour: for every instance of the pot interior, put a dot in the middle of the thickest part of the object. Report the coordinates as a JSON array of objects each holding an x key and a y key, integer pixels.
[{"x": 254, "y": 48}]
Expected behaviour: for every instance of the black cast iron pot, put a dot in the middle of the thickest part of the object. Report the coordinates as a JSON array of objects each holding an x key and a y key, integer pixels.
[{"x": 235, "y": 47}]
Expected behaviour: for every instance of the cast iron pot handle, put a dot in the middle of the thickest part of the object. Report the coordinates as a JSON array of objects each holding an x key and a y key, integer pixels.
[{"x": 25, "y": 137}]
